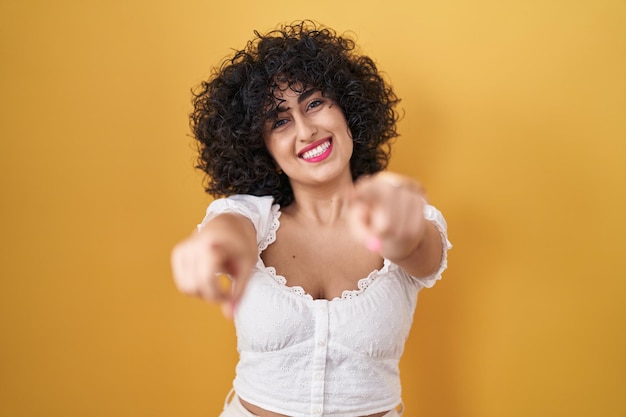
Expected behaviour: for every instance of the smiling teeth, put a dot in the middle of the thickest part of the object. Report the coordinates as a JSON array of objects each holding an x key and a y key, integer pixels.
[{"x": 317, "y": 151}]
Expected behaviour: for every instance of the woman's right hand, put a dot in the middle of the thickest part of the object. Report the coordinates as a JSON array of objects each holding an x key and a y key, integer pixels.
[{"x": 226, "y": 245}]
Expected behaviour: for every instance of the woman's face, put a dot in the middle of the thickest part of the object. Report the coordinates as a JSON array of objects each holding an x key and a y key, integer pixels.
[{"x": 309, "y": 138}]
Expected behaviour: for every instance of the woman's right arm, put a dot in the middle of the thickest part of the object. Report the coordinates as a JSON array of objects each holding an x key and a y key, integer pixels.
[{"x": 226, "y": 244}]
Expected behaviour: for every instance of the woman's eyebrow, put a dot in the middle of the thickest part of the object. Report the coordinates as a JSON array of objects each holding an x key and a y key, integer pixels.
[
  {"x": 307, "y": 94},
  {"x": 273, "y": 114}
]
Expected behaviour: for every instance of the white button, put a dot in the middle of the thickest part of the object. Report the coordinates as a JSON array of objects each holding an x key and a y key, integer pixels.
[
  {"x": 317, "y": 410},
  {"x": 321, "y": 343},
  {"x": 319, "y": 375}
]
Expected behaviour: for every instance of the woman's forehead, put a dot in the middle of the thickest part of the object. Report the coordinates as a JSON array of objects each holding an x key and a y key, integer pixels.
[
  {"x": 281, "y": 95},
  {"x": 283, "y": 88},
  {"x": 284, "y": 91}
]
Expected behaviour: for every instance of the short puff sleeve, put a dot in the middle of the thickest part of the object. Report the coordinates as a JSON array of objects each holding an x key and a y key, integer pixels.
[
  {"x": 435, "y": 217},
  {"x": 261, "y": 211}
]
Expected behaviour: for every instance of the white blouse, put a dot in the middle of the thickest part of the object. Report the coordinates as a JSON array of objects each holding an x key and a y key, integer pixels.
[{"x": 306, "y": 357}]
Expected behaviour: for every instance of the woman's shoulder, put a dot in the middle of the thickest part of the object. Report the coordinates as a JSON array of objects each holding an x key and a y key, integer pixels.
[
  {"x": 246, "y": 199},
  {"x": 245, "y": 204},
  {"x": 260, "y": 210}
]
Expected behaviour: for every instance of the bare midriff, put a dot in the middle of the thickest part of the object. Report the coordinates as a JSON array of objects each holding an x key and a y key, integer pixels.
[{"x": 264, "y": 413}]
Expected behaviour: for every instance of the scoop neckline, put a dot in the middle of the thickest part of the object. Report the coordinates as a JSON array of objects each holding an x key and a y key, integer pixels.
[{"x": 348, "y": 294}]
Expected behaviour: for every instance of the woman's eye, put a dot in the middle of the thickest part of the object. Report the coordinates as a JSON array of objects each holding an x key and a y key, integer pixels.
[
  {"x": 315, "y": 103},
  {"x": 279, "y": 123}
]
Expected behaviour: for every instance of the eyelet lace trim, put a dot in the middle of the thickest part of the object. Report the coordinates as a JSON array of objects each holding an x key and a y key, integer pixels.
[
  {"x": 274, "y": 225},
  {"x": 282, "y": 281},
  {"x": 361, "y": 285}
]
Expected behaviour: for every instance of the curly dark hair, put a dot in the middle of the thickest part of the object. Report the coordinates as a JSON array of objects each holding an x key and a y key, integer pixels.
[{"x": 231, "y": 108}]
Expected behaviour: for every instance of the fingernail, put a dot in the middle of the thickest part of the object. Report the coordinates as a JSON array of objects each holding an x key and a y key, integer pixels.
[{"x": 373, "y": 244}]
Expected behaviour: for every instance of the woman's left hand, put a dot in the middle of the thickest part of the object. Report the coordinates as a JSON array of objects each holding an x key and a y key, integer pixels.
[{"x": 387, "y": 214}]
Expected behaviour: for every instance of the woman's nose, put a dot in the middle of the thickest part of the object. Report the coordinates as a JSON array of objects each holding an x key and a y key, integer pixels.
[{"x": 306, "y": 130}]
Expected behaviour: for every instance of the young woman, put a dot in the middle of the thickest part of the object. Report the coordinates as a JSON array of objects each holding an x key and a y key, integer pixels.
[{"x": 325, "y": 250}]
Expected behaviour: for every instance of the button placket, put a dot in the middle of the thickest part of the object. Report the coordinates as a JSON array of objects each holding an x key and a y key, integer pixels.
[{"x": 320, "y": 350}]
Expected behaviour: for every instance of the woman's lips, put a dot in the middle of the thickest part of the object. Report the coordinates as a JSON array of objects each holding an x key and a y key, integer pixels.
[{"x": 317, "y": 151}]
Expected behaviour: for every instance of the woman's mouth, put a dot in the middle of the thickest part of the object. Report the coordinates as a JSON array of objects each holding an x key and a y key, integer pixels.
[{"x": 317, "y": 151}]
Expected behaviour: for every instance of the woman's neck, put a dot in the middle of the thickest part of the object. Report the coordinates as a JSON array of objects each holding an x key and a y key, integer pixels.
[{"x": 324, "y": 205}]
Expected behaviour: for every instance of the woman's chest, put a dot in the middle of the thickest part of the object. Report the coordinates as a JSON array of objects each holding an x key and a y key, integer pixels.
[{"x": 324, "y": 262}]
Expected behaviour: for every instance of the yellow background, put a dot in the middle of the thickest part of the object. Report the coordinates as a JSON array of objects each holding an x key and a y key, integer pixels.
[{"x": 515, "y": 121}]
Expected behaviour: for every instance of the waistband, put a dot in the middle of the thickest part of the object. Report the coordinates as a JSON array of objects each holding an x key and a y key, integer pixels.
[{"x": 234, "y": 408}]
